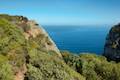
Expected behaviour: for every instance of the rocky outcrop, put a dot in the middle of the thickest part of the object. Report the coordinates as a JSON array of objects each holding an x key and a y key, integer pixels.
[
  {"x": 35, "y": 30},
  {"x": 112, "y": 45},
  {"x": 32, "y": 29}
]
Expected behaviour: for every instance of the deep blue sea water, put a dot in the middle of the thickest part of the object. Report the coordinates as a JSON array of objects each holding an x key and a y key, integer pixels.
[{"x": 79, "y": 39}]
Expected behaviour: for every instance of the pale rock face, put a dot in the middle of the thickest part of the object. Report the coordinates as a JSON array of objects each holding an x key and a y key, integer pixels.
[
  {"x": 20, "y": 74},
  {"x": 36, "y": 30}
]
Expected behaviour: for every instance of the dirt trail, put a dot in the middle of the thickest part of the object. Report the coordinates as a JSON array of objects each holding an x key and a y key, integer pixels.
[
  {"x": 19, "y": 76},
  {"x": 21, "y": 73}
]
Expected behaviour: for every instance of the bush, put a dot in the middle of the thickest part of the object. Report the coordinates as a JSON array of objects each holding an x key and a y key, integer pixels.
[
  {"x": 44, "y": 66},
  {"x": 93, "y": 67},
  {"x": 10, "y": 38},
  {"x": 6, "y": 72}
]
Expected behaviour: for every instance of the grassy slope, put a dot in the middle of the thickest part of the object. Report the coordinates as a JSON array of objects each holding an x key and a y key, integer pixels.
[{"x": 15, "y": 51}]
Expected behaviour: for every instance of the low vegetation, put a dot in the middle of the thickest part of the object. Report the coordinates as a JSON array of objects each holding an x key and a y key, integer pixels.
[
  {"x": 16, "y": 51},
  {"x": 92, "y": 66},
  {"x": 44, "y": 66},
  {"x": 30, "y": 58}
]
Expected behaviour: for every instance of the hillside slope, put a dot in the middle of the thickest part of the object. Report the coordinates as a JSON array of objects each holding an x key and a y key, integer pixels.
[{"x": 28, "y": 53}]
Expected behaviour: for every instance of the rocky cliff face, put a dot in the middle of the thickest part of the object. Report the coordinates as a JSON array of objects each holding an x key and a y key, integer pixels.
[
  {"x": 32, "y": 29},
  {"x": 35, "y": 30},
  {"x": 112, "y": 45}
]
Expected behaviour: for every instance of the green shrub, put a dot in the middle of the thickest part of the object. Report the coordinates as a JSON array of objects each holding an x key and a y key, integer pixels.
[
  {"x": 10, "y": 38},
  {"x": 44, "y": 66},
  {"x": 6, "y": 72},
  {"x": 93, "y": 67}
]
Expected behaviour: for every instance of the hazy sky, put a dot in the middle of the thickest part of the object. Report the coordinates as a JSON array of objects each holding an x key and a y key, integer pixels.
[{"x": 65, "y": 12}]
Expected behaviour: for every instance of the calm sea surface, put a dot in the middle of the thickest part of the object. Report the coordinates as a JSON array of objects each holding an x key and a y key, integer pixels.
[{"x": 79, "y": 39}]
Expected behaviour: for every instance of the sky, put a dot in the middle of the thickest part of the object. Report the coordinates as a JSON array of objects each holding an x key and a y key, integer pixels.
[{"x": 65, "y": 12}]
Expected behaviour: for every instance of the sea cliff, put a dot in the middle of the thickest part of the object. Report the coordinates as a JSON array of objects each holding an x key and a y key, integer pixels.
[{"x": 28, "y": 53}]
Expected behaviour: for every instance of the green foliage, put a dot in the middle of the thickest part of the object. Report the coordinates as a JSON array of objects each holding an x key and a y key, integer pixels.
[
  {"x": 15, "y": 51},
  {"x": 7, "y": 17},
  {"x": 14, "y": 19},
  {"x": 43, "y": 66},
  {"x": 3, "y": 58},
  {"x": 70, "y": 59},
  {"x": 12, "y": 43},
  {"x": 17, "y": 57},
  {"x": 6, "y": 72},
  {"x": 93, "y": 67},
  {"x": 33, "y": 73},
  {"x": 10, "y": 38}
]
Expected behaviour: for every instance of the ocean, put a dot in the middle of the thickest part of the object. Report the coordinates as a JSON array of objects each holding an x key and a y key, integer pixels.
[{"x": 79, "y": 39}]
